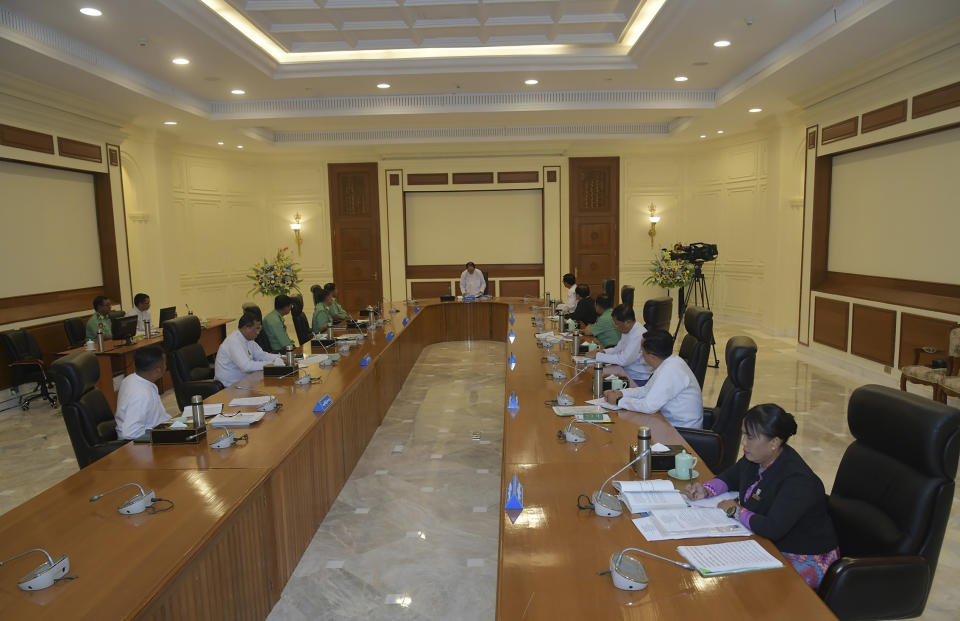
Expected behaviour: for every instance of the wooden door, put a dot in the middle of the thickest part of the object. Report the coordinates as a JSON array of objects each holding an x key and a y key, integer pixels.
[
  {"x": 594, "y": 220},
  {"x": 355, "y": 232}
]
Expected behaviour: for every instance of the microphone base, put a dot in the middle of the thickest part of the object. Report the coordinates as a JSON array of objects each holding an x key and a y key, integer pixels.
[
  {"x": 628, "y": 574},
  {"x": 606, "y": 505},
  {"x": 558, "y": 374},
  {"x": 574, "y": 435},
  {"x": 564, "y": 400},
  {"x": 45, "y": 575},
  {"x": 137, "y": 504}
]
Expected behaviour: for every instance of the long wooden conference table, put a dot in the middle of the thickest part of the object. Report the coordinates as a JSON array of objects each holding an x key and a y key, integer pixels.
[{"x": 244, "y": 515}]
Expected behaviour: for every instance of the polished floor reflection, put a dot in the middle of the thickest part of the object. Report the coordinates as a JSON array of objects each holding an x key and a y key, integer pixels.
[{"x": 413, "y": 534}]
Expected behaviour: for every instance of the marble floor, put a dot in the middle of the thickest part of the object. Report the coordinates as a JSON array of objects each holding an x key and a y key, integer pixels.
[{"x": 413, "y": 534}]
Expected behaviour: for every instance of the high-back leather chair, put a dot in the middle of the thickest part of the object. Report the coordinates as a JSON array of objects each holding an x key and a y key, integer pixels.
[
  {"x": 76, "y": 331},
  {"x": 486, "y": 282},
  {"x": 85, "y": 411},
  {"x": 300, "y": 322},
  {"x": 626, "y": 295},
  {"x": 718, "y": 443},
  {"x": 262, "y": 339},
  {"x": 315, "y": 290},
  {"x": 657, "y": 313},
  {"x": 27, "y": 367},
  {"x": 890, "y": 503},
  {"x": 695, "y": 347},
  {"x": 609, "y": 288},
  {"x": 117, "y": 314},
  {"x": 189, "y": 368}
]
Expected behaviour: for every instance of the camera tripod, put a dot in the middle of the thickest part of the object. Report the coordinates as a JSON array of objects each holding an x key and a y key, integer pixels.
[{"x": 696, "y": 290}]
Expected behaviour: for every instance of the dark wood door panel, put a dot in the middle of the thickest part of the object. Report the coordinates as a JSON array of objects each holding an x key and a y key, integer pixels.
[
  {"x": 918, "y": 331},
  {"x": 594, "y": 235},
  {"x": 594, "y": 219},
  {"x": 355, "y": 232}
]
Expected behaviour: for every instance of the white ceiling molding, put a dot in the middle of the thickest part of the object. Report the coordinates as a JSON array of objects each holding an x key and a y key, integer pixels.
[
  {"x": 466, "y": 102},
  {"x": 466, "y": 134}
]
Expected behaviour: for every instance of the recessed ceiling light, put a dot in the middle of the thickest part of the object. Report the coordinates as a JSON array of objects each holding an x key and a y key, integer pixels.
[
  {"x": 90, "y": 11},
  {"x": 680, "y": 78},
  {"x": 239, "y": 146},
  {"x": 181, "y": 61},
  {"x": 220, "y": 142},
  {"x": 755, "y": 110},
  {"x": 721, "y": 43},
  {"x": 169, "y": 122},
  {"x": 719, "y": 131},
  {"x": 703, "y": 135},
  {"x": 238, "y": 91},
  {"x": 531, "y": 82},
  {"x": 383, "y": 85}
]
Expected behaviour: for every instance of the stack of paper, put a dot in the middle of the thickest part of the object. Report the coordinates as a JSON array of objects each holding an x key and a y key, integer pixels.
[
  {"x": 603, "y": 403},
  {"x": 209, "y": 409},
  {"x": 727, "y": 558},
  {"x": 313, "y": 359},
  {"x": 643, "y": 496},
  {"x": 240, "y": 402},
  {"x": 667, "y": 523},
  {"x": 237, "y": 419}
]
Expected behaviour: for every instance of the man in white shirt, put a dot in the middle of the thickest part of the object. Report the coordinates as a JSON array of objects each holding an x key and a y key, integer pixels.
[
  {"x": 672, "y": 390},
  {"x": 472, "y": 283},
  {"x": 625, "y": 358},
  {"x": 570, "y": 285},
  {"x": 139, "y": 408},
  {"x": 141, "y": 308},
  {"x": 239, "y": 354}
]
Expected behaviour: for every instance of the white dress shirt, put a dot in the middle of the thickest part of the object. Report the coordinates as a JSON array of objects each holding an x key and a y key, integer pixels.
[
  {"x": 627, "y": 354},
  {"x": 141, "y": 317},
  {"x": 472, "y": 284},
  {"x": 673, "y": 391},
  {"x": 138, "y": 407},
  {"x": 237, "y": 356}
]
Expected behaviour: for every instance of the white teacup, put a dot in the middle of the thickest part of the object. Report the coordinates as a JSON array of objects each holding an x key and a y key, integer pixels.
[
  {"x": 683, "y": 464},
  {"x": 617, "y": 384}
]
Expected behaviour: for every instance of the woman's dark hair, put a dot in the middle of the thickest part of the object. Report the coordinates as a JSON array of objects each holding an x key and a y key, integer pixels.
[
  {"x": 583, "y": 290},
  {"x": 770, "y": 420},
  {"x": 658, "y": 343},
  {"x": 330, "y": 286},
  {"x": 569, "y": 279}
]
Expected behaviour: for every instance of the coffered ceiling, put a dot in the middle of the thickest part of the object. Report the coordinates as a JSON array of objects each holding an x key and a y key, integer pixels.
[{"x": 309, "y": 70}]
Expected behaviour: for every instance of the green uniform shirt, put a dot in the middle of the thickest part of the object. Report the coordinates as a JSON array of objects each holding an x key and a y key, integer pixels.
[
  {"x": 604, "y": 330},
  {"x": 322, "y": 317},
  {"x": 276, "y": 331},
  {"x": 95, "y": 319},
  {"x": 336, "y": 311}
]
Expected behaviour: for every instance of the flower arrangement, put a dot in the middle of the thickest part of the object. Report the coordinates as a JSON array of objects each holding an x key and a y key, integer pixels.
[
  {"x": 280, "y": 276},
  {"x": 667, "y": 272}
]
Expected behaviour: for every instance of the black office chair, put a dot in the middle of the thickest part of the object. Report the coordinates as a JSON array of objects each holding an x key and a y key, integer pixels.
[
  {"x": 695, "y": 347},
  {"x": 86, "y": 413},
  {"x": 117, "y": 314},
  {"x": 191, "y": 372},
  {"x": 626, "y": 295},
  {"x": 486, "y": 282},
  {"x": 76, "y": 330},
  {"x": 657, "y": 313},
  {"x": 315, "y": 290},
  {"x": 890, "y": 503},
  {"x": 609, "y": 288},
  {"x": 718, "y": 443},
  {"x": 26, "y": 367},
  {"x": 300, "y": 322},
  {"x": 262, "y": 339}
]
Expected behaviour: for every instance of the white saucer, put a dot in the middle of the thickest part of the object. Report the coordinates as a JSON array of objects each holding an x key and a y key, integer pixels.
[{"x": 672, "y": 473}]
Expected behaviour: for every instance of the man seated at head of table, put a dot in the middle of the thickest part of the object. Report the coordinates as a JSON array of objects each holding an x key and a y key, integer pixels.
[
  {"x": 141, "y": 308},
  {"x": 274, "y": 325},
  {"x": 337, "y": 311},
  {"x": 625, "y": 358},
  {"x": 239, "y": 353},
  {"x": 778, "y": 496},
  {"x": 99, "y": 319},
  {"x": 585, "y": 310},
  {"x": 672, "y": 390},
  {"x": 472, "y": 283},
  {"x": 139, "y": 408},
  {"x": 603, "y": 329},
  {"x": 569, "y": 295},
  {"x": 322, "y": 312}
]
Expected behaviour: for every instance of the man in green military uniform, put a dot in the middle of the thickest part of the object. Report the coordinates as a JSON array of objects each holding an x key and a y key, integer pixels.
[
  {"x": 100, "y": 317},
  {"x": 322, "y": 312},
  {"x": 274, "y": 325},
  {"x": 603, "y": 329}
]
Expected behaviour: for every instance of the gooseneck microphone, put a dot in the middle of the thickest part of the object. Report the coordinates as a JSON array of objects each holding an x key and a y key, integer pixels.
[
  {"x": 608, "y": 505},
  {"x": 563, "y": 399},
  {"x": 136, "y": 504},
  {"x": 356, "y": 324},
  {"x": 44, "y": 575}
]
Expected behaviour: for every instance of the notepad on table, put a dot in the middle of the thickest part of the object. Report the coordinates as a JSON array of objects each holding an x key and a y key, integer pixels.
[
  {"x": 715, "y": 559},
  {"x": 593, "y": 417},
  {"x": 240, "y": 402},
  {"x": 694, "y": 519},
  {"x": 603, "y": 403},
  {"x": 238, "y": 419},
  {"x": 642, "y": 502},
  {"x": 209, "y": 409}
]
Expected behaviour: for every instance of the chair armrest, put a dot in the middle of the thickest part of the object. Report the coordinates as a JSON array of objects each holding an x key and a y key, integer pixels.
[
  {"x": 708, "y": 418},
  {"x": 874, "y": 587},
  {"x": 707, "y": 444},
  {"x": 201, "y": 387},
  {"x": 31, "y": 362}
]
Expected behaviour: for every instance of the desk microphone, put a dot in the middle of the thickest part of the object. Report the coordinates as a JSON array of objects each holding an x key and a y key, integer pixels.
[
  {"x": 608, "y": 505},
  {"x": 270, "y": 405},
  {"x": 576, "y": 435},
  {"x": 136, "y": 504},
  {"x": 563, "y": 399},
  {"x": 356, "y": 324},
  {"x": 45, "y": 574},
  {"x": 558, "y": 374}
]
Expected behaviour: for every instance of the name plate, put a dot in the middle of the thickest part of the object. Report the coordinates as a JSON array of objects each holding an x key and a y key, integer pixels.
[
  {"x": 512, "y": 361},
  {"x": 416, "y": 309},
  {"x": 405, "y": 321},
  {"x": 514, "y": 495},
  {"x": 512, "y": 320},
  {"x": 365, "y": 360},
  {"x": 389, "y": 336},
  {"x": 323, "y": 404}
]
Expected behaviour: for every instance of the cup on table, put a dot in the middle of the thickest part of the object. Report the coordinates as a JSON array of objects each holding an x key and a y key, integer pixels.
[
  {"x": 683, "y": 464},
  {"x": 617, "y": 384}
]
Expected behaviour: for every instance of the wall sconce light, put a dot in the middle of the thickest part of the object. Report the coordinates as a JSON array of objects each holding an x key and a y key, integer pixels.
[
  {"x": 654, "y": 218},
  {"x": 295, "y": 225}
]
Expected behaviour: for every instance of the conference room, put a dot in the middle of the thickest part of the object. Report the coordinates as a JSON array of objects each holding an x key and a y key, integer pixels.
[{"x": 425, "y": 235}]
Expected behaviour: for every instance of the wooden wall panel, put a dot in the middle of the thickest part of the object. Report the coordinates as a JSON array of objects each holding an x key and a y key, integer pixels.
[
  {"x": 428, "y": 179},
  {"x": 430, "y": 289},
  {"x": 519, "y": 288},
  {"x": 25, "y": 139},
  {"x": 80, "y": 150},
  {"x": 499, "y": 322},
  {"x": 918, "y": 331},
  {"x": 937, "y": 100},
  {"x": 359, "y": 418},
  {"x": 478, "y": 327},
  {"x": 496, "y": 270},
  {"x": 455, "y": 323},
  {"x": 328, "y": 436},
  {"x": 526, "y": 176},
  {"x": 208, "y": 588},
  {"x": 874, "y": 333},
  {"x": 839, "y": 131},
  {"x": 830, "y": 322},
  {"x": 389, "y": 379},
  {"x": 884, "y": 117},
  {"x": 477, "y": 177}
]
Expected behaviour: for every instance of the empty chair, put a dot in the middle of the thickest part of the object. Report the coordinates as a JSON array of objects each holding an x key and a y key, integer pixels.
[
  {"x": 189, "y": 368},
  {"x": 626, "y": 295},
  {"x": 890, "y": 503},
  {"x": 76, "y": 331},
  {"x": 26, "y": 367},
  {"x": 695, "y": 347},
  {"x": 609, "y": 287},
  {"x": 940, "y": 368},
  {"x": 262, "y": 339},
  {"x": 300, "y": 322},
  {"x": 718, "y": 443},
  {"x": 656, "y": 313},
  {"x": 86, "y": 413}
]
